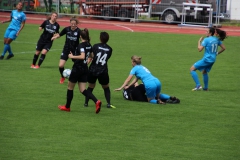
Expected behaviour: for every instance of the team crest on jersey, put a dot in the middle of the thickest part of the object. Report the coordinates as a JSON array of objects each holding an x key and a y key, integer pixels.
[
  {"x": 54, "y": 27},
  {"x": 75, "y": 33}
]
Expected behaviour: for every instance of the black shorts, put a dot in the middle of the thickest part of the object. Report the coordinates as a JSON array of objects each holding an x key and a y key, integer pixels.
[
  {"x": 43, "y": 45},
  {"x": 103, "y": 78},
  {"x": 78, "y": 76},
  {"x": 135, "y": 93},
  {"x": 64, "y": 56}
]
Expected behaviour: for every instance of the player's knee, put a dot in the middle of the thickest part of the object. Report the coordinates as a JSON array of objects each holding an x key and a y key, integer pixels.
[{"x": 192, "y": 68}]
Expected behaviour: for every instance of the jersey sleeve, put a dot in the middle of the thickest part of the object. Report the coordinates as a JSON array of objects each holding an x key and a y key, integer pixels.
[
  {"x": 204, "y": 42},
  {"x": 24, "y": 18},
  {"x": 63, "y": 32},
  {"x": 219, "y": 42},
  {"x": 57, "y": 29},
  {"x": 43, "y": 24},
  {"x": 110, "y": 52},
  {"x": 132, "y": 72}
]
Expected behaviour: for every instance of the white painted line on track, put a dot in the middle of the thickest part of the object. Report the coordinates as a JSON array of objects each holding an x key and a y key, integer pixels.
[{"x": 125, "y": 27}]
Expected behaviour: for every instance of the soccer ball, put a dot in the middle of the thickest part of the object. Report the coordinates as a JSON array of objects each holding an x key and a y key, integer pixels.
[{"x": 66, "y": 73}]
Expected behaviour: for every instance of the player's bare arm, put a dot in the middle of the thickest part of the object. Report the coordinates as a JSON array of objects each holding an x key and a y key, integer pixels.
[
  {"x": 200, "y": 47},
  {"x": 81, "y": 56},
  {"x": 125, "y": 83},
  {"x": 222, "y": 48},
  {"x": 22, "y": 26}
]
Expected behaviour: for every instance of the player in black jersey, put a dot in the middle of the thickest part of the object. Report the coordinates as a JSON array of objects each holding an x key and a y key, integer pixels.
[
  {"x": 72, "y": 40},
  {"x": 137, "y": 92},
  {"x": 98, "y": 70},
  {"x": 79, "y": 72},
  {"x": 44, "y": 44}
]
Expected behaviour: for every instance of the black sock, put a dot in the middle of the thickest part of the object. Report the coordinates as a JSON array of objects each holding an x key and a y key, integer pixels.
[
  {"x": 89, "y": 94},
  {"x": 41, "y": 59},
  {"x": 61, "y": 71},
  {"x": 86, "y": 97},
  {"x": 69, "y": 98},
  {"x": 107, "y": 94},
  {"x": 35, "y": 58}
]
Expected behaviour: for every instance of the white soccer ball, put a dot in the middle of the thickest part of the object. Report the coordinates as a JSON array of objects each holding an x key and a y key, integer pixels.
[{"x": 66, "y": 73}]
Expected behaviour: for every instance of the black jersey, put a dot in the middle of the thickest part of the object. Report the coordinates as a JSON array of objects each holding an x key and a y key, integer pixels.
[
  {"x": 102, "y": 52},
  {"x": 81, "y": 64},
  {"x": 49, "y": 30},
  {"x": 135, "y": 93},
  {"x": 72, "y": 39}
]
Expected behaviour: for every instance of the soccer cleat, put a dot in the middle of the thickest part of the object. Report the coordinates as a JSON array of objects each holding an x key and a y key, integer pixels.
[
  {"x": 36, "y": 67},
  {"x": 63, "y": 108},
  {"x": 32, "y": 66},
  {"x": 10, "y": 56},
  {"x": 198, "y": 88},
  {"x": 85, "y": 105},
  {"x": 205, "y": 89},
  {"x": 173, "y": 100},
  {"x": 62, "y": 80},
  {"x": 1, "y": 57},
  {"x": 98, "y": 106},
  {"x": 110, "y": 106}
]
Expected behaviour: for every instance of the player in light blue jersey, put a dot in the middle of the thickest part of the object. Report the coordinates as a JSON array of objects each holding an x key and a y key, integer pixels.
[
  {"x": 210, "y": 43},
  {"x": 17, "y": 20},
  {"x": 151, "y": 83}
]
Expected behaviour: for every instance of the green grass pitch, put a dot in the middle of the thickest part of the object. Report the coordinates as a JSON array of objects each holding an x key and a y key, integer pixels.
[{"x": 205, "y": 125}]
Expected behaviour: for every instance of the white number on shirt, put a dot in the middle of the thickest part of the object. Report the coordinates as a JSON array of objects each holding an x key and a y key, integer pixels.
[
  {"x": 100, "y": 59},
  {"x": 214, "y": 48}
]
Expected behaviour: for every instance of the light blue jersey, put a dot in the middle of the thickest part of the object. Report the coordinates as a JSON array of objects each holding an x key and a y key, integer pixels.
[
  {"x": 151, "y": 83},
  {"x": 211, "y": 47},
  {"x": 17, "y": 19},
  {"x": 142, "y": 73}
]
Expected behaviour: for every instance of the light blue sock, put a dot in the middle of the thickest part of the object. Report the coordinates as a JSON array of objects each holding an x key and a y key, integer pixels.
[
  {"x": 164, "y": 97},
  {"x": 153, "y": 101},
  {"x": 205, "y": 80},
  {"x": 5, "y": 49},
  {"x": 10, "y": 50},
  {"x": 195, "y": 78}
]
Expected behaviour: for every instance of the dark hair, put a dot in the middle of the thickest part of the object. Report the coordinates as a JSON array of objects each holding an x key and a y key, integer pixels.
[
  {"x": 74, "y": 19},
  {"x": 221, "y": 34},
  {"x": 85, "y": 34},
  {"x": 212, "y": 31},
  {"x": 104, "y": 37}
]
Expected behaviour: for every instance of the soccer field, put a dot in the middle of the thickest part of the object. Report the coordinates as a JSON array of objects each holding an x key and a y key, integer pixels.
[{"x": 205, "y": 125}]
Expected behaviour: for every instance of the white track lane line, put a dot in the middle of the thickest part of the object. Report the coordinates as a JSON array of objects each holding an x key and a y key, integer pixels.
[{"x": 125, "y": 27}]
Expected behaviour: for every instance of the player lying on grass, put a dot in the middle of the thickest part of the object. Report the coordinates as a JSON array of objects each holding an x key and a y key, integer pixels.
[{"x": 137, "y": 92}]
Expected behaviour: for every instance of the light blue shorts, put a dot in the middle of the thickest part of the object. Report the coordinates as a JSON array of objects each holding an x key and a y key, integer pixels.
[
  {"x": 153, "y": 88},
  {"x": 203, "y": 65},
  {"x": 10, "y": 33}
]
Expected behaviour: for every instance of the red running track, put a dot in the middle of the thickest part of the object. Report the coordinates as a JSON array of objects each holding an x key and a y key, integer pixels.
[{"x": 125, "y": 26}]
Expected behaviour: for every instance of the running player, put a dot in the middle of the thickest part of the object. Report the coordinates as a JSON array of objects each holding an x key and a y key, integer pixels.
[
  {"x": 210, "y": 43},
  {"x": 72, "y": 40},
  {"x": 137, "y": 92},
  {"x": 79, "y": 72},
  {"x": 17, "y": 20},
  {"x": 98, "y": 70},
  {"x": 44, "y": 44},
  {"x": 151, "y": 83}
]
